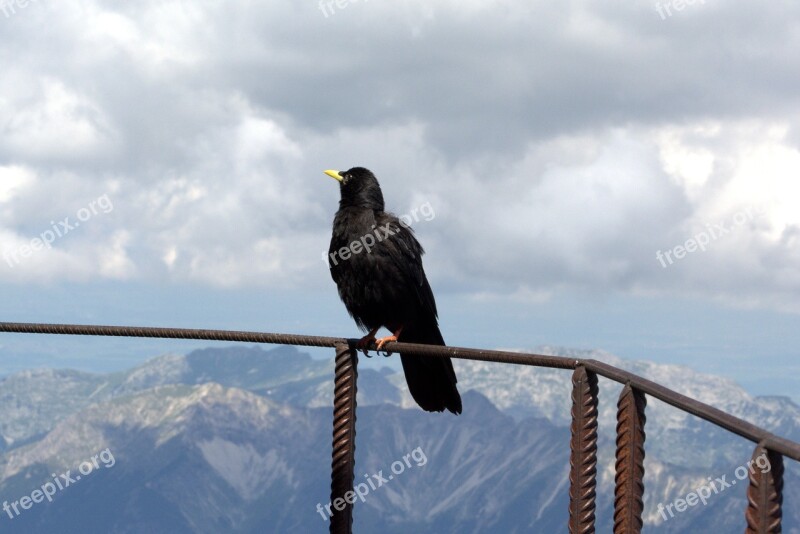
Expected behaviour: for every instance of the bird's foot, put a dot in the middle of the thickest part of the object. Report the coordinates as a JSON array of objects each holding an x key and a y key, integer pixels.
[
  {"x": 364, "y": 343},
  {"x": 379, "y": 343}
]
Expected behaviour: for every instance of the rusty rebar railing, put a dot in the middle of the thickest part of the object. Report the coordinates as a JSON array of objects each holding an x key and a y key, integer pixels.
[{"x": 764, "y": 494}]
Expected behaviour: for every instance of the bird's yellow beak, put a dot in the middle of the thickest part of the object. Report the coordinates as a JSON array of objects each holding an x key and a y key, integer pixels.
[{"x": 334, "y": 174}]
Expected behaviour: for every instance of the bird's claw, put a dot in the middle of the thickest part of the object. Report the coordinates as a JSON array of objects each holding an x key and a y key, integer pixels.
[
  {"x": 364, "y": 343},
  {"x": 379, "y": 343}
]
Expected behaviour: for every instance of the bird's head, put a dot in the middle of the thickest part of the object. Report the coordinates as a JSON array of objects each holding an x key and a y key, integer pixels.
[{"x": 359, "y": 188}]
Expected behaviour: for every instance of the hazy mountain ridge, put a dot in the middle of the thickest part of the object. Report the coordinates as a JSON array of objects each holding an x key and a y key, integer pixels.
[
  {"x": 211, "y": 459},
  {"x": 32, "y": 401},
  {"x": 167, "y": 443},
  {"x": 535, "y": 391},
  {"x": 193, "y": 450}
]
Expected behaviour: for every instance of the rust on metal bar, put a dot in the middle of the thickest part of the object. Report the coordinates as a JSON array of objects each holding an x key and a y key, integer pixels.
[
  {"x": 344, "y": 435},
  {"x": 170, "y": 333},
  {"x": 583, "y": 457},
  {"x": 629, "y": 478},
  {"x": 462, "y": 353},
  {"x": 765, "y": 493},
  {"x": 704, "y": 411},
  {"x": 733, "y": 424},
  {"x": 539, "y": 360}
]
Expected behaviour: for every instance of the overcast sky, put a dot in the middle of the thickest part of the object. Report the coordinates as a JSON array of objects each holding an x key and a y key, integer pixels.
[{"x": 562, "y": 151}]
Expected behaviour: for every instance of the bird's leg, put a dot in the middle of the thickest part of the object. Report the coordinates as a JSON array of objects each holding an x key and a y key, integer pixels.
[
  {"x": 384, "y": 340},
  {"x": 365, "y": 341}
]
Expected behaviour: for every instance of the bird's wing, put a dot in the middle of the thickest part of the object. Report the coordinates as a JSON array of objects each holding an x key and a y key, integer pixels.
[{"x": 406, "y": 255}]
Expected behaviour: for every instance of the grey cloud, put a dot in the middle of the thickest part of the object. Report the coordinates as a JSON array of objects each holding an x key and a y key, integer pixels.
[{"x": 530, "y": 127}]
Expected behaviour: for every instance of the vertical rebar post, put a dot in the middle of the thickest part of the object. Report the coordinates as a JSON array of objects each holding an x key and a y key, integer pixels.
[
  {"x": 583, "y": 455},
  {"x": 344, "y": 435},
  {"x": 765, "y": 493},
  {"x": 629, "y": 479}
]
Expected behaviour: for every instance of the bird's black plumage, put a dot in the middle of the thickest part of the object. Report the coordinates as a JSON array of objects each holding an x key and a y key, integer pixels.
[{"x": 376, "y": 263}]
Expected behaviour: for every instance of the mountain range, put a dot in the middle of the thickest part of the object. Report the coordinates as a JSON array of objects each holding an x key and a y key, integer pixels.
[{"x": 238, "y": 439}]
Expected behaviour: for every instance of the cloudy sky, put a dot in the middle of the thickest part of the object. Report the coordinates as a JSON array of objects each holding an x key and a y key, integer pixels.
[{"x": 615, "y": 175}]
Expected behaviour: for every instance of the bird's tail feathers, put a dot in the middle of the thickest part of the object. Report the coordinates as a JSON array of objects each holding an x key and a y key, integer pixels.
[{"x": 431, "y": 380}]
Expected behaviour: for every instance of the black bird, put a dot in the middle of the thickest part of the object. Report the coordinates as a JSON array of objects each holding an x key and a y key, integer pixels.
[{"x": 376, "y": 263}]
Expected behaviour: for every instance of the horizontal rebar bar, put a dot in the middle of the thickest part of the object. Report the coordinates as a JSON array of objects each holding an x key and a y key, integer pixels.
[
  {"x": 682, "y": 402},
  {"x": 170, "y": 333},
  {"x": 539, "y": 360},
  {"x": 697, "y": 408}
]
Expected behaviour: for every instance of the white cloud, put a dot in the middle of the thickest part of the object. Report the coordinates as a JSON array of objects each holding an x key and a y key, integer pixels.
[
  {"x": 12, "y": 179},
  {"x": 54, "y": 121},
  {"x": 560, "y": 146}
]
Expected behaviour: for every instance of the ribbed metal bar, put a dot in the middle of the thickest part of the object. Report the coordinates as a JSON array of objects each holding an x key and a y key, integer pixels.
[
  {"x": 704, "y": 411},
  {"x": 629, "y": 490},
  {"x": 765, "y": 493},
  {"x": 170, "y": 333},
  {"x": 733, "y": 424},
  {"x": 583, "y": 457},
  {"x": 344, "y": 436},
  {"x": 462, "y": 353},
  {"x": 539, "y": 360}
]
